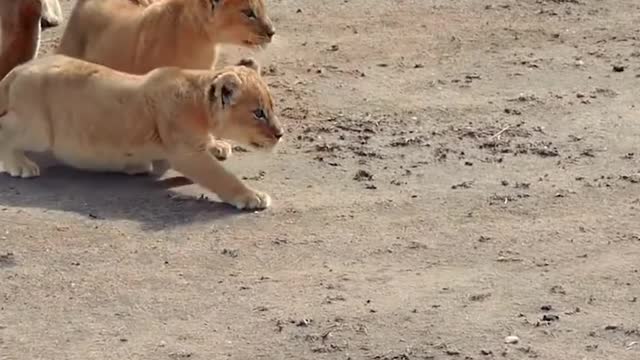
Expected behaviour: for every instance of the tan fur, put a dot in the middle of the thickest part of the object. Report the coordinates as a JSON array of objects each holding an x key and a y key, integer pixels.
[
  {"x": 137, "y": 36},
  {"x": 124, "y": 122}
]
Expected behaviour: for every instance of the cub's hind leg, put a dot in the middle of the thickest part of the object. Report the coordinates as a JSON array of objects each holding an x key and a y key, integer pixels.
[
  {"x": 12, "y": 141},
  {"x": 17, "y": 164}
]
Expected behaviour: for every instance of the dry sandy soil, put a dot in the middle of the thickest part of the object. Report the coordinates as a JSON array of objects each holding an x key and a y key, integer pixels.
[{"x": 455, "y": 172}]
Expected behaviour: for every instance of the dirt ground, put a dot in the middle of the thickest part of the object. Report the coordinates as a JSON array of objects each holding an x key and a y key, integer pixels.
[{"x": 454, "y": 173}]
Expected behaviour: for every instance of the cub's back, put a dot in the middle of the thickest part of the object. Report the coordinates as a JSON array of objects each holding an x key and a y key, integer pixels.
[
  {"x": 69, "y": 72},
  {"x": 90, "y": 20},
  {"x": 66, "y": 84}
]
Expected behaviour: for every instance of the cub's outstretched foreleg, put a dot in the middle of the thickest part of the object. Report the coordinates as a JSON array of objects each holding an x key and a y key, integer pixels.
[{"x": 204, "y": 169}]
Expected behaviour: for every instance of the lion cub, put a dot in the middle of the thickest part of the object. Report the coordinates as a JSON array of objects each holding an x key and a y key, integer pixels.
[
  {"x": 94, "y": 118},
  {"x": 20, "y": 26},
  {"x": 137, "y": 36}
]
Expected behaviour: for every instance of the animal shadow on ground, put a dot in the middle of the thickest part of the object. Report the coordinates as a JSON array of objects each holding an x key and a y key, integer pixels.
[{"x": 109, "y": 196}]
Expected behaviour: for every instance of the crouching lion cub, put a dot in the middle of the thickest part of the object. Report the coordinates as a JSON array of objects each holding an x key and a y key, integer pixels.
[{"x": 94, "y": 118}]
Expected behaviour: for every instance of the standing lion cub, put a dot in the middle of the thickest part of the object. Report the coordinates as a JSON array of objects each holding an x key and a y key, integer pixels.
[
  {"x": 95, "y": 118},
  {"x": 137, "y": 36}
]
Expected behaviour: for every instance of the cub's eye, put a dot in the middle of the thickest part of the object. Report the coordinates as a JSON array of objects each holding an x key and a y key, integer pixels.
[
  {"x": 260, "y": 115},
  {"x": 250, "y": 14}
]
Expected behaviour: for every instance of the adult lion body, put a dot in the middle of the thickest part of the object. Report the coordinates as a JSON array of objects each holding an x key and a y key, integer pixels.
[
  {"x": 95, "y": 118},
  {"x": 137, "y": 36}
]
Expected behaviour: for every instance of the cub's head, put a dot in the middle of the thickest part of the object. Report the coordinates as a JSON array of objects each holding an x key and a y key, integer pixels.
[
  {"x": 239, "y": 22},
  {"x": 243, "y": 107}
]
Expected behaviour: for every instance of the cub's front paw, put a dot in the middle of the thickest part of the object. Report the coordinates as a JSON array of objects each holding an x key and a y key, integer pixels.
[
  {"x": 252, "y": 200},
  {"x": 221, "y": 150},
  {"x": 21, "y": 167}
]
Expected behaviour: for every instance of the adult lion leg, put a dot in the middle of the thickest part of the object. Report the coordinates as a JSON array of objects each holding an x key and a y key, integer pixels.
[
  {"x": 19, "y": 37},
  {"x": 51, "y": 13},
  {"x": 206, "y": 171}
]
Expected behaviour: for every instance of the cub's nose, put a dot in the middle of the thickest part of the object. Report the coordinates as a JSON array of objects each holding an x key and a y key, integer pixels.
[
  {"x": 270, "y": 32},
  {"x": 278, "y": 134}
]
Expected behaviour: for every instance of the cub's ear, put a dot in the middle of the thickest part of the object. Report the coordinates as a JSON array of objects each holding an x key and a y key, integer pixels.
[
  {"x": 225, "y": 89},
  {"x": 250, "y": 63}
]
